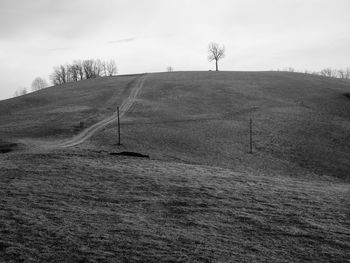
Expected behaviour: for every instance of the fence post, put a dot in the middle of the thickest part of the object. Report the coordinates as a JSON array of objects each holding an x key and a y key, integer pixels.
[
  {"x": 118, "y": 126},
  {"x": 250, "y": 135}
]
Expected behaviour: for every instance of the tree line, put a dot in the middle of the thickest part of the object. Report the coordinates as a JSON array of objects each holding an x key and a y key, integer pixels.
[
  {"x": 326, "y": 72},
  {"x": 335, "y": 73},
  {"x": 76, "y": 71},
  {"x": 95, "y": 68},
  {"x": 83, "y": 69}
]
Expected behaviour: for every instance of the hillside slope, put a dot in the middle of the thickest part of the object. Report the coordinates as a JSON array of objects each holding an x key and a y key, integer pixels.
[
  {"x": 301, "y": 123},
  {"x": 200, "y": 197},
  {"x": 64, "y": 110}
]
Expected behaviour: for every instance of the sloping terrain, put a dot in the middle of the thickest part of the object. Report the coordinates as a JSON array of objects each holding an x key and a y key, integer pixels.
[
  {"x": 122, "y": 109},
  {"x": 201, "y": 197},
  {"x": 65, "y": 110},
  {"x": 301, "y": 123}
]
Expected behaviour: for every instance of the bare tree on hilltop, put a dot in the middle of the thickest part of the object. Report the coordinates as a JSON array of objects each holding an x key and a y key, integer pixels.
[
  {"x": 59, "y": 75},
  {"x": 347, "y": 73},
  {"x": 215, "y": 52},
  {"x": 88, "y": 66},
  {"x": 78, "y": 65},
  {"x": 76, "y": 71},
  {"x": 97, "y": 68},
  {"x": 111, "y": 67},
  {"x": 20, "y": 92},
  {"x": 93, "y": 68},
  {"x": 344, "y": 73},
  {"x": 104, "y": 68},
  {"x": 39, "y": 83}
]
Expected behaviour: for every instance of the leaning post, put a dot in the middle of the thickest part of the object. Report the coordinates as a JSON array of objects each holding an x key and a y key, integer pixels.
[
  {"x": 118, "y": 126},
  {"x": 251, "y": 135}
]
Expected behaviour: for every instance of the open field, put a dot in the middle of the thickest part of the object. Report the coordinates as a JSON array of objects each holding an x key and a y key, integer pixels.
[
  {"x": 90, "y": 207},
  {"x": 201, "y": 197}
]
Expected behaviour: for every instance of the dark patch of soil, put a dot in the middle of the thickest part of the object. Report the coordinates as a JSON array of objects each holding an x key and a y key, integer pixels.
[
  {"x": 132, "y": 154},
  {"x": 6, "y": 147},
  {"x": 347, "y": 95}
]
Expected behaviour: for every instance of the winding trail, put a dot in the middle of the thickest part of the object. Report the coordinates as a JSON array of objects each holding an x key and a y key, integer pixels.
[{"x": 125, "y": 106}]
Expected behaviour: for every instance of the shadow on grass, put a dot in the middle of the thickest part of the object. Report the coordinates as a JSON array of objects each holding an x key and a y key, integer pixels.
[
  {"x": 6, "y": 147},
  {"x": 132, "y": 154}
]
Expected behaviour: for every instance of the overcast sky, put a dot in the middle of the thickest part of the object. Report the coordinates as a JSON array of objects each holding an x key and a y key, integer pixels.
[{"x": 147, "y": 36}]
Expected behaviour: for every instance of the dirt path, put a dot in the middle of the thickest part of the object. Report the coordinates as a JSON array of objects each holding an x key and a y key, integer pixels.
[{"x": 126, "y": 105}]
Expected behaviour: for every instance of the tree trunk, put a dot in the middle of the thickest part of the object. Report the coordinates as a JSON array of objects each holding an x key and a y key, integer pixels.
[{"x": 216, "y": 63}]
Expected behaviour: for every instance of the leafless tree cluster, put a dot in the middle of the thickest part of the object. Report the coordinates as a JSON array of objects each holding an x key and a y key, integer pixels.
[
  {"x": 335, "y": 73},
  {"x": 20, "y": 92},
  {"x": 332, "y": 73},
  {"x": 326, "y": 72},
  {"x": 39, "y": 83},
  {"x": 83, "y": 69}
]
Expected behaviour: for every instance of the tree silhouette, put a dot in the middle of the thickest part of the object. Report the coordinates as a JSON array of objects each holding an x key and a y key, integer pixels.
[
  {"x": 215, "y": 52},
  {"x": 38, "y": 84},
  {"x": 20, "y": 92}
]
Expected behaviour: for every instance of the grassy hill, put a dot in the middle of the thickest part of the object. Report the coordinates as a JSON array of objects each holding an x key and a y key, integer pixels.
[
  {"x": 301, "y": 122},
  {"x": 61, "y": 111},
  {"x": 201, "y": 197}
]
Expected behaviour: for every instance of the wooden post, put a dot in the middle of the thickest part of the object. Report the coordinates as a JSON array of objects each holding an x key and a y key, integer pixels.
[
  {"x": 118, "y": 126},
  {"x": 251, "y": 136}
]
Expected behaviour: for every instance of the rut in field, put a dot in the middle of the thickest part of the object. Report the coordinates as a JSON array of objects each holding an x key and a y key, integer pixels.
[{"x": 126, "y": 105}]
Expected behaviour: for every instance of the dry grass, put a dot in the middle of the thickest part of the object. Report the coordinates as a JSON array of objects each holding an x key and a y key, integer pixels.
[
  {"x": 301, "y": 122},
  {"x": 201, "y": 197},
  {"x": 84, "y": 207},
  {"x": 61, "y": 111}
]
